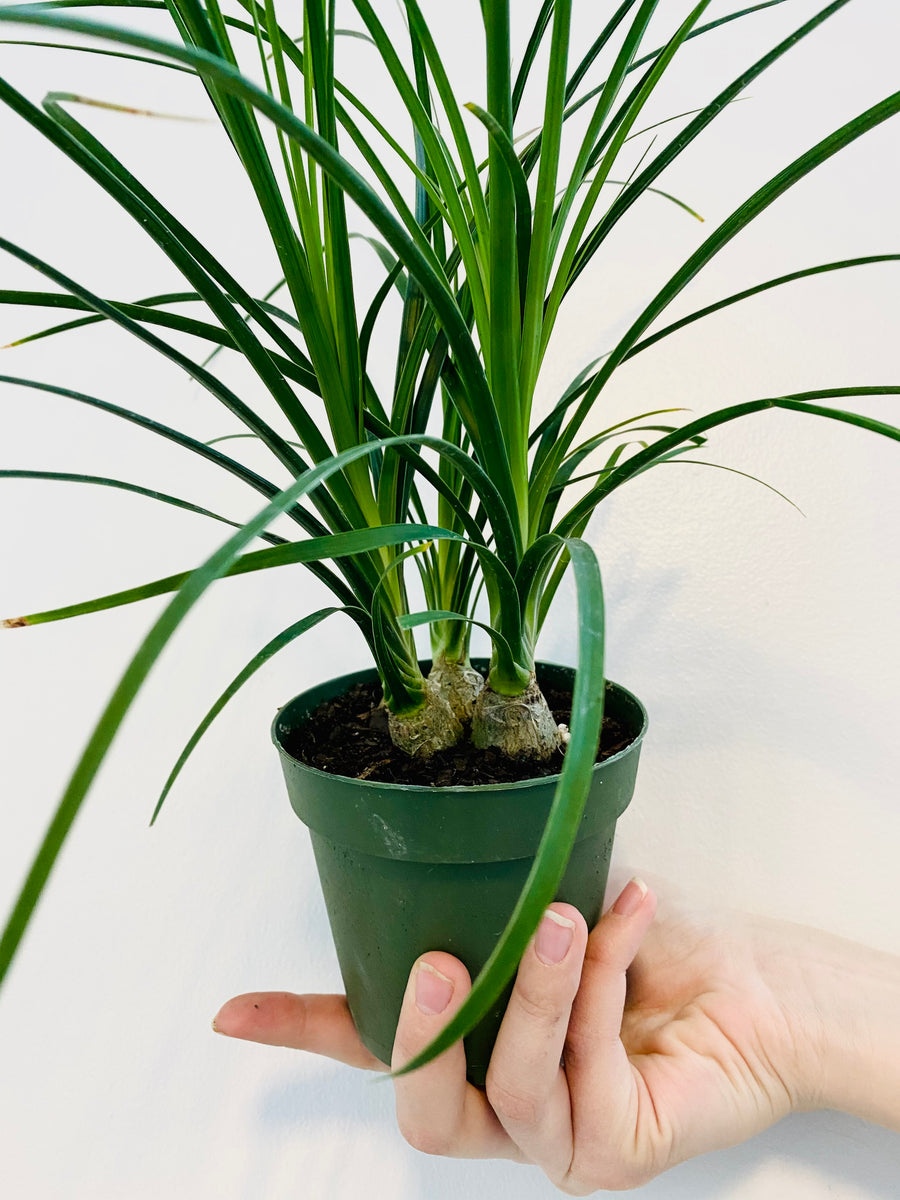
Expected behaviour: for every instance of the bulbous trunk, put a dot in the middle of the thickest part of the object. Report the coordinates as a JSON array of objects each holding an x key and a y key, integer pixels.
[
  {"x": 521, "y": 726},
  {"x": 459, "y": 683},
  {"x": 430, "y": 728},
  {"x": 458, "y": 700}
]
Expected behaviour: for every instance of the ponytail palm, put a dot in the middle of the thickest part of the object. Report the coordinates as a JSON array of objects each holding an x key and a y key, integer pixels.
[{"x": 445, "y": 475}]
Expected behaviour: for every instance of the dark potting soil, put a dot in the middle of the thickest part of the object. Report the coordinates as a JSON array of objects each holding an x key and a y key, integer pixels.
[{"x": 349, "y": 736}]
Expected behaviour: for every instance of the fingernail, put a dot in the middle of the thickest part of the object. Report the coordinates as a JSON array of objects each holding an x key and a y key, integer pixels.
[
  {"x": 433, "y": 990},
  {"x": 631, "y": 898},
  {"x": 554, "y": 937}
]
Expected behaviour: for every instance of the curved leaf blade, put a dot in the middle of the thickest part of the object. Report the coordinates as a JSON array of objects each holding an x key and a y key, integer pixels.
[
  {"x": 131, "y": 682},
  {"x": 330, "y": 546},
  {"x": 761, "y": 199},
  {"x": 565, "y": 813},
  {"x": 268, "y": 651},
  {"x": 505, "y": 655},
  {"x": 475, "y": 401},
  {"x": 125, "y": 486},
  {"x": 795, "y": 402},
  {"x": 737, "y": 297}
]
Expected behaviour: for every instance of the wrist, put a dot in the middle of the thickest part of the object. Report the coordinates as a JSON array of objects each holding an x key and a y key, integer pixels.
[{"x": 842, "y": 1007}]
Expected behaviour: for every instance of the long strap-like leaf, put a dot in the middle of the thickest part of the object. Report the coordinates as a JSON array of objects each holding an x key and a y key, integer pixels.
[
  {"x": 670, "y": 152},
  {"x": 476, "y": 403},
  {"x": 125, "y": 486},
  {"x": 268, "y": 651},
  {"x": 801, "y": 402},
  {"x": 215, "y": 386},
  {"x": 331, "y": 546},
  {"x": 132, "y": 680},
  {"x": 730, "y": 227},
  {"x": 563, "y": 821},
  {"x": 549, "y": 426}
]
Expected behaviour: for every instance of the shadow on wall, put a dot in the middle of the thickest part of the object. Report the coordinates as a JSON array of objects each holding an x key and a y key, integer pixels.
[
  {"x": 831, "y": 1148},
  {"x": 649, "y": 623}
]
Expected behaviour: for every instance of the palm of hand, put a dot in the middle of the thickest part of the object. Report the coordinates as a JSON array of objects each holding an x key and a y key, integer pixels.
[{"x": 699, "y": 1026}]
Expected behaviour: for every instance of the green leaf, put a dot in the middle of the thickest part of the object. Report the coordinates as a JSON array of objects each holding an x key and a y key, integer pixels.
[
  {"x": 531, "y": 51},
  {"x": 597, "y": 47},
  {"x": 260, "y": 659},
  {"x": 670, "y": 152},
  {"x": 131, "y": 682},
  {"x": 615, "y": 134},
  {"x": 532, "y": 573},
  {"x": 252, "y": 420},
  {"x": 540, "y": 251},
  {"x": 476, "y": 403},
  {"x": 257, "y": 482},
  {"x": 546, "y": 432},
  {"x": 608, "y": 93},
  {"x": 806, "y": 273},
  {"x": 193, "y": 259},
  {"x": 563, "y": 821},
  {"x": 520, "y": 190},
  {"x": 692, "y": 212},
  {"x": 796, "y": 402},
  {"x": 699, "y": 462},
  {"x": 388, "y": 261},
  {"x": 550, "y": 430},
  {"x": 438, "y": 155},
  {"x": 730, "y": 227},
  {"x": 154, "y": 62},
  {"x": 395, "y": 653},
  {"x": 506, "y": 655},
  {"x": 330, "y": 546},
  {"x": 470, "y": 192},
  {"x": 68, "y": 477}
]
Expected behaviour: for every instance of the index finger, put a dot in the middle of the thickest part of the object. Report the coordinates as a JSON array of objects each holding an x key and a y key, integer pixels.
[{"x": 438, "y": 1111}]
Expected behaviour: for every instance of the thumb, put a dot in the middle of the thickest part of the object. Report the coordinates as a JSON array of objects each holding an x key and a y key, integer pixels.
[{"x": 320, "y": 1024}]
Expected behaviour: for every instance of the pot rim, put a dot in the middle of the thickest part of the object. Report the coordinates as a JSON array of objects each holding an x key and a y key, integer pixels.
[{"x": 450, "y": 789}]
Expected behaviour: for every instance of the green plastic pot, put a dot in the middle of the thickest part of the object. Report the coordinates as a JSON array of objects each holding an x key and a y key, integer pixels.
[{"x": 407, "y": 869}]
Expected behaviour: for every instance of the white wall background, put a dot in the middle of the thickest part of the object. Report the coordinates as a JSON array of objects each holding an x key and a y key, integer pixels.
[{"x": 764, "y": 644}]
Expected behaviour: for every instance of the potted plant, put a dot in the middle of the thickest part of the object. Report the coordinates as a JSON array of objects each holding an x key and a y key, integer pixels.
[{"x": 445, "y": 481}]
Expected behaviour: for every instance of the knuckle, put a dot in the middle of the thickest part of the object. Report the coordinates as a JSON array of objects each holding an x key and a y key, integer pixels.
[
  {"x": 436, "y": 1142},
  {"x": 573, "y": 1187},
  {"x": 512, "y": 1103},
  {"x": 605, "y": 1173},
  {"x": 404, "y": 1048},
  {"x": 538, "y": 1007},
  {"x": 581, "y": 1046},
  {"x": 602, "y": 953}
]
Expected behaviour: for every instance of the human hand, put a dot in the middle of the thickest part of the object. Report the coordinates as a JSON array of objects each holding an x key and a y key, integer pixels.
[{"x": 719, "y": 1029}]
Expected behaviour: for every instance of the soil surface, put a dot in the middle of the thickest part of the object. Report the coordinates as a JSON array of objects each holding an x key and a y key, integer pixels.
[{"x": 349, "y": 736}]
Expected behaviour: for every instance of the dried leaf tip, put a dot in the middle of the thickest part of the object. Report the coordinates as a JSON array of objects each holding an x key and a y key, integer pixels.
[
  {"x": 14, "y": 623},
  {"x": 72, "y": 98}
]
